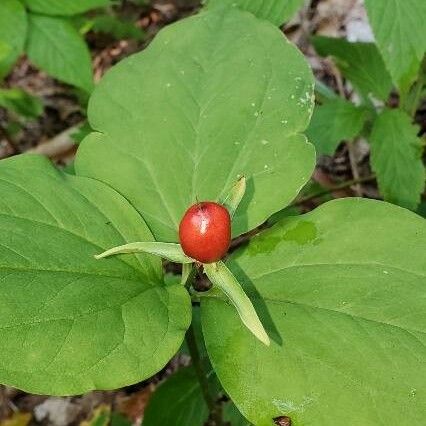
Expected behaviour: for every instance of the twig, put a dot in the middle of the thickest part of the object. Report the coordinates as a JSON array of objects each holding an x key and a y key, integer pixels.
[
  {"x": 338, "y": 78},
  {"x": 349, "y": 144},
  {"x": 354, "y": 166},
  {"x": 12, "y": 144},
  {"x": 58, "y": 145},
  {"x": 342, "y": 185}
]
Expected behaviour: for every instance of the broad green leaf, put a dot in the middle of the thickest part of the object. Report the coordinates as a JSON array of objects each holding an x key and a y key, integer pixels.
[
  {"x": 360, "y": 63},
  {"x": 222, "y": 278},
  {"x": 332, "y": 122},
  {"x": 4, "y": 50},
  {"x": 400, "y": 31},
  {"x": 64, "y": 7},
  {"x": 70, "y": 323},
  {"x": 275, "y": 11},
  {"x": 169, "y": 251},
  {"x": 288, "y": 211},
  {"x": 13, "y": 31},
  {"x": 233, "y": 416},
  {"x": 341, "y": 293},
  {"x": 57, "y": 48},
  {"x": 214, "y": 97},
  {"x": 118, "y": 28},
  {"x": 421, "y": 210},
  {"x": 118, "y": 419},
  {"x": 178, "y": 402},
  {"x": 21, "y": 102},
  {"x": 396, "y": 157}
]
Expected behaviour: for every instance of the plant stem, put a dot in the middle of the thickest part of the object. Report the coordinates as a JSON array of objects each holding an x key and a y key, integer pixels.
[
  {"x": 342, "y": 185},
  {"x": 197, "y": 363},
  {"x": 9, "y": 140},
  {"x": 354, "y": 167}
]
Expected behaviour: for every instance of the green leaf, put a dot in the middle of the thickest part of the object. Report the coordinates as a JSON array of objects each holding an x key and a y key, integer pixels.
[
  {"x": 70, "y": 323},
  {"x": 178, "y": 402},
  {"x": 223, "y": 278},
  {"x": 118, "y": 28},
  {"x": 13, "y": 31},
  {"x": 21, "y": 102},
  {"x": 233, "y": 416},
  {"x": 288, "y": 211},
  {"x": 118, "y": 419},
  {"x": 214, "y": 97},
  {"x": 169, "y": 251},
  {"x": 396, "y": 153},
  {"x": 332, "y": 122},
  {"x": 57, "y": 48},
  {"x": 68, "y": 7},
  {"x": 421, "y": 210},
  {"x": 400, "y": 31},
  {"x": 341, "y": 293},
  {"x": 4, "y": 50},
  {"x": 275, "y": 11},
  {"x": 81, "y": 132},
  {"x": 360, "y": 63}
]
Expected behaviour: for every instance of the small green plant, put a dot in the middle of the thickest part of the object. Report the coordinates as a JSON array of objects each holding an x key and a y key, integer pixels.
[
  {"x": 315, "y": 315},
  {"x": 394, "y": 65},
  {"x": 20, "y": 103},
  {"x": 51, "y": 35},
  {"x": 42, "y": 30}
]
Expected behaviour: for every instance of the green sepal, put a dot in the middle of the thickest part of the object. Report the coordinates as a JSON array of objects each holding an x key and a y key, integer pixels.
[
  {"x": 187, "y": 271},
  {"x": 223, "y": 278},
  {"x": 169, "y": 251},
  {"x": 236, "y": 194}
]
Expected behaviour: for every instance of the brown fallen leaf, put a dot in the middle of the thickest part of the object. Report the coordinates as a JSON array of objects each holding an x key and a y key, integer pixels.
[
  {"x": 17, "y": 419},
  {"x": 133, "y": 406}
]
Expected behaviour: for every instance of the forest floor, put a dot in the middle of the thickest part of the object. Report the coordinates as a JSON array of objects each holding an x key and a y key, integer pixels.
[{"x": 56, "y": 134}]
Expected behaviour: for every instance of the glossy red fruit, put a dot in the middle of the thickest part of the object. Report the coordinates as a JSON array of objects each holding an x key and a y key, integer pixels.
[{"x": 205, "y": 231}]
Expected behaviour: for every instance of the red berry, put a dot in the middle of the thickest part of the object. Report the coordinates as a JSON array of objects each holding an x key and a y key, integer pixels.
[{"x": 205, "y": 232}]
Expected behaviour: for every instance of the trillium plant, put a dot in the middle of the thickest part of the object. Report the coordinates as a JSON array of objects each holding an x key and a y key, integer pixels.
[
  {"x": 318, "y": 319},
  {"x": 205, "y": 235}
]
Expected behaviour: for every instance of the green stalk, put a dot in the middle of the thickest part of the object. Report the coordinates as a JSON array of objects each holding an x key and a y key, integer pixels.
[
  {"x": 197, "y": 363},
  {"x": 411, "y": 101}
]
